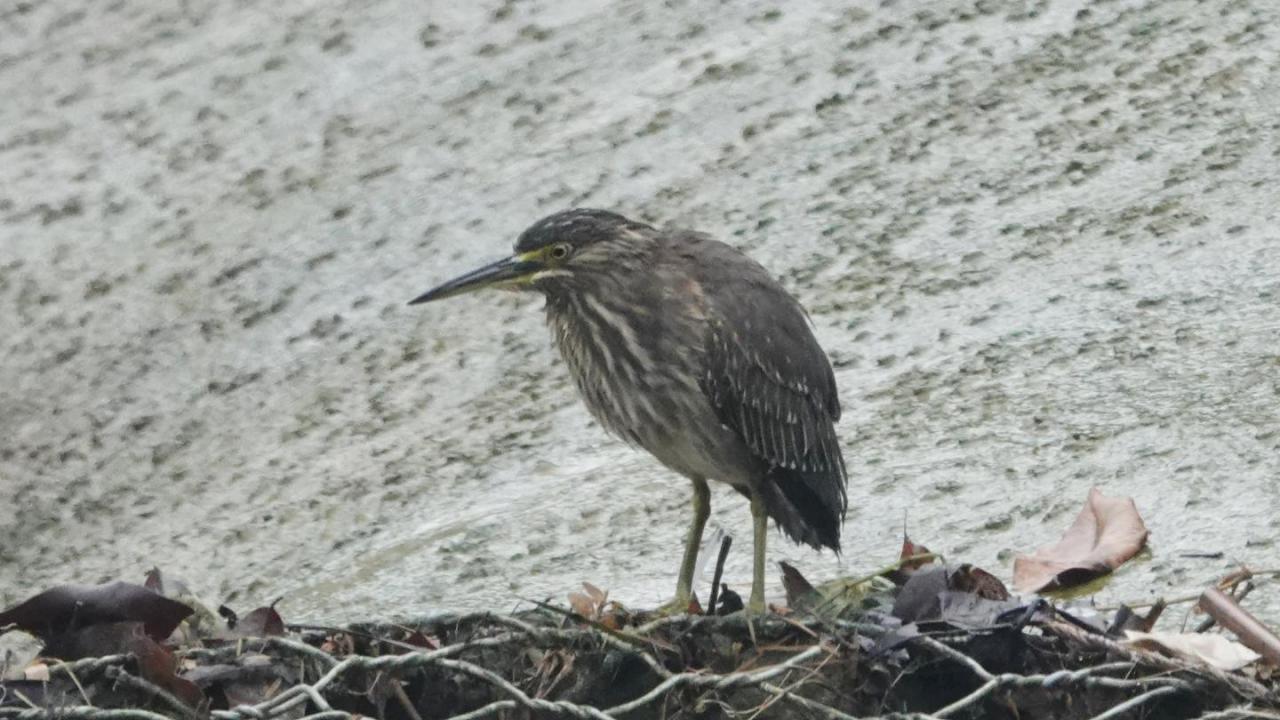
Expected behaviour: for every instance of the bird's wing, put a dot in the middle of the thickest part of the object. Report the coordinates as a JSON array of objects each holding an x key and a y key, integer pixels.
[{"x": 765, "y": 375}]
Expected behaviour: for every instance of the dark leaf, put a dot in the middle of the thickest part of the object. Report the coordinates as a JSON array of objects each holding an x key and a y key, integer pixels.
[
  {"x": 94, "y": 641},
  {"x": 801, "y": 594},
  {"x": 895, "y": 639},
  {"x": 1127, "y": 619},
  {"x": 155, "y": 663},
  {"x": 918, "y": 598},
  {"x": 966, "y": 610},
  {"x": 964, "y": 596},
  {"x": 67, "y": 608},
  {"x": 262, "y": 622}
]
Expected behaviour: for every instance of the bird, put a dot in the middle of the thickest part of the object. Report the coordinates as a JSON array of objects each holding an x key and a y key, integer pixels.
[{"x": 685, "y": 347}]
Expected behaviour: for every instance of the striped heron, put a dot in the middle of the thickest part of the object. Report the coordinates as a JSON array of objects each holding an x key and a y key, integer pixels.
[{"x": 684, "y": 346}]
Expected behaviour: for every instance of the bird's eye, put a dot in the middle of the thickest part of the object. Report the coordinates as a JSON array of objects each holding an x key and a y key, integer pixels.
[{"x": 560, "y": 252}]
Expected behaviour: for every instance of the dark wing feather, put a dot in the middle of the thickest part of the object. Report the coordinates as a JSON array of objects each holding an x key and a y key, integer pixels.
[{"x": 769, "y": 380}]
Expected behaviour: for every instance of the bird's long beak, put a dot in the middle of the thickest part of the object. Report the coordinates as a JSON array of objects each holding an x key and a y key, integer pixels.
[{"x": 508, "y": 272}]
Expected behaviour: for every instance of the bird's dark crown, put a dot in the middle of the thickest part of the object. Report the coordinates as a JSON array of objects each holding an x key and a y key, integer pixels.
[{"x": 579, "y": 227}]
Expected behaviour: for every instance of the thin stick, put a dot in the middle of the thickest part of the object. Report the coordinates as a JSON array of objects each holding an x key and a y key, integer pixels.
[
  {"x": 1252, "y": 633},
  {"x": 1132, "y": 703},
  {"x": 725, "y": 544}
]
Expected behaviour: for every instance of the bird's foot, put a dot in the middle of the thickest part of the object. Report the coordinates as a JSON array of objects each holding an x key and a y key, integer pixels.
[{"x": 679, "y": 605}]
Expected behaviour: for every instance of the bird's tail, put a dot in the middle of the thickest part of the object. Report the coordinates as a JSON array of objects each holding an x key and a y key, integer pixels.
[{"x": 808, "y": 505}]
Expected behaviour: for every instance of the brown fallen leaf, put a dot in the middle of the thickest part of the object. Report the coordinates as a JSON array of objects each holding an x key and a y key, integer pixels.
[
  {"x": 66, "y": 608},
  {"x": 582, "y": 604},
  {"x": 1107, "y": 532},
  {"x": 260, "y": 622},
  {"x": 155, "y": 663},
  {"x": 695, "y": 605},
  {"x": 976, "y": 581},
  {"x": 594, "y": 605},
  {"x": 1214, "y": 650},
  {"x": 907, "y": 566}
]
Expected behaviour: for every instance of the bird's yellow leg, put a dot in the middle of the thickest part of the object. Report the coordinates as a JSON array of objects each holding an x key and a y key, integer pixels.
[
  {"x": 760, "y": 522},
  {"x": 684, "y": 582}
]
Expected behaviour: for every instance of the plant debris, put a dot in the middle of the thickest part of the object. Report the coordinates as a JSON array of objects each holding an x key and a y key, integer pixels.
[{"x": 957, "y": 646}]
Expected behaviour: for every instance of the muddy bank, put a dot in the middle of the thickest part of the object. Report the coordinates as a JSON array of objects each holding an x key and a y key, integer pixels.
[{"x": 1037, "y": 237}]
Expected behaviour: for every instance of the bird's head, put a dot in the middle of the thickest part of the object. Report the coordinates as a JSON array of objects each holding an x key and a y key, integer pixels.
[{"x": 557, "y": 254}]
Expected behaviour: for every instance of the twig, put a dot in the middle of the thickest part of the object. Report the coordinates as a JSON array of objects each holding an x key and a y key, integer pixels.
[
  {"x": 725, "y": 544},
  {"x": 1238, "y": 714},
  {"x": 580, "y": 711},
  {"x": 1084, "y": 676},
  {"x": 79, "y": 687},
  {"x": 1210, "y": 621},
  {"x": 806, "y": 703},
  {"x": 1134, "y": 702},
  {"x": 492, "y": 708},
  {"x": 718, "y": 682},
  {"x": 88, "y": 713},
  {"x": 119, "y": 675},
  {"x": 1252, "y": 633},
  {"x": 405, "y": 702}
]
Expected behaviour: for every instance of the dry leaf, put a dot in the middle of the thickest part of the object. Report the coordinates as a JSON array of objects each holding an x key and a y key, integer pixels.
[
  {"x": 1106, "y": 533},
  {"x": 906, "y": 566},
  {"x": 598, "y": 595},
  {"x": 594, "y": 605},
  {"x": 912, "y": 550},
  {"x": 155, "y": 663},
  {"x": 695, "y": 605},
  {"x": 582, "y": 605},
  {"x": 67, "y": 608},
  {"x": 1214, "y": 650},
  {"x": 977, "y": 581},
  {"x": 260, "y": 622},
  {"x": 800, "y": 592}
]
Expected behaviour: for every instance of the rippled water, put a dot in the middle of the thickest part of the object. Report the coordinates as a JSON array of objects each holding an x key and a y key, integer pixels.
[{"x": 1037, "y": 238}]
